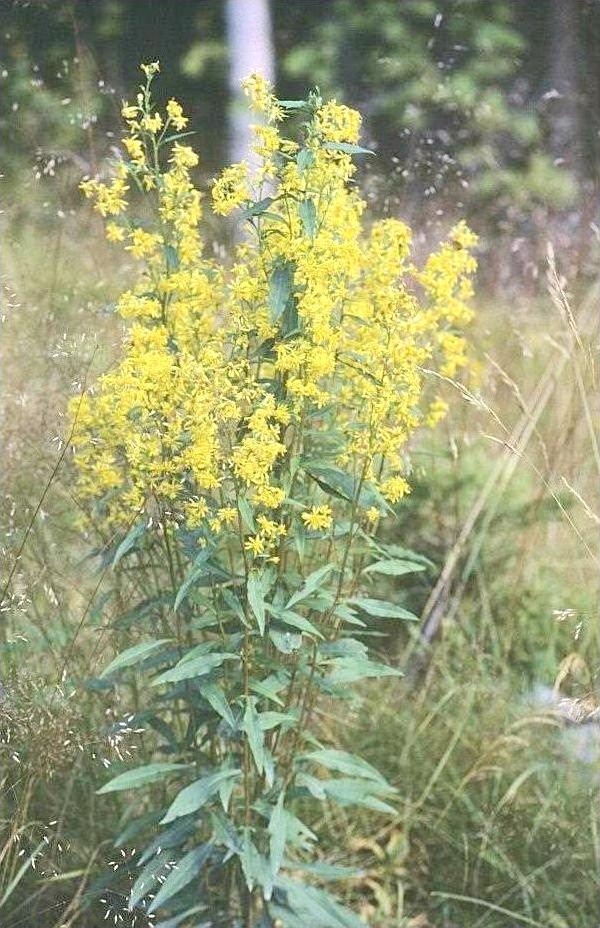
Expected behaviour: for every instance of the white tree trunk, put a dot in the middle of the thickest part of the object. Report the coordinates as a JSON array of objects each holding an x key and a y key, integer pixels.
[
  {"x": 566, "y": 52},
  {"x": 250, "y": 42}
]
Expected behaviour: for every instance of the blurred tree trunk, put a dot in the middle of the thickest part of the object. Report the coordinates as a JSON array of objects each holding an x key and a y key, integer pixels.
[
  {"x": 250, "y": 42},
  {"x": 565, "y": 50}
]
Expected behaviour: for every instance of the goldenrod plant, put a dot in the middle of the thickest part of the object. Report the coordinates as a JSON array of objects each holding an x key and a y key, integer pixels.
[{"x": 243, "y": 453}]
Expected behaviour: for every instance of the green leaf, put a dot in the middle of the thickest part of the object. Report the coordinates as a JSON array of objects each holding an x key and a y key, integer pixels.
[
  {"x": 136, "y": 826},
  {"x": 347, "y": 792},
  {"x": 382, "y": 609},
  {"x": 345, "y": 486},
  {"x": 347, "y": 615},
  {"x": 397, "y": 551},
  {"x": 270, "y": 720},
  {"x": 173, "y": 836},
  {"x": 323, "y": 870},
  {"x": 145, "y": 882},
  {"x": 171, "y": 257},
  {"x": 256, "y": 209},
  {"x": 129, "y": 542},
  {"x": 194, "y": 796},
  {"x": 178, "y": 135},
  {"x": 308, "y": 217},
  {"x": 343, "y": 762},
  {"x": 347, "y": 148},
  {"x": 394, "y": 568},
  {"x": 198, "y": 570},
  {"x": 226, "y": 789},
  {"x": 256, "y": 598},
  {"x": 254, "y": 866},
  {"x": 305, "y": 159},
  {"x": 235, "y": 605},
  {"x": 216, "y": 698},
  {"x": 267, "y": 689},
  {"x": 295, "y": 620},
  {"x": 286, "y": 642},
  {"x": 134, "y": 655},
  {"x": 140, "y": 776},
  {"x": 197, "y": 667},
  {"x": 254, "y": 733},
  {"x": 277, "y": 835},
  {"x": 245, "y": 510},
  {"x": 350, "y": 669},
  {"x": 183, "y": 873},
  {"x": 280, "y": 289},
  {"x": 313, "y": 582},
  {"x": 311, "y": 907},
  {"x": 294, "y": 104}
]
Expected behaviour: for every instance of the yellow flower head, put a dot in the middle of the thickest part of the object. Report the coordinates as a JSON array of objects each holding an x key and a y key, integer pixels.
[
  {"x": 175, "y": 114},
  {"x": 261, "y": 97},
  {"x": 183, "y": 156},
  {"x": 130, "y": 112},
  {"x": 135, "y": 149},
  {"x": 152, "y": 123},
  {"x": 114, "y": 233},
  {"x": 151, "y": 68},
  {"x": 318, "y": 517},
  {"x": 231, "y": 189},
  {"x": 338, "y": 123}
]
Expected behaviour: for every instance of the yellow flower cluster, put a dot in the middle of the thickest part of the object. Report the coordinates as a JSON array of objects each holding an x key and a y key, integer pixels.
[
  {"x": 318, "y": 517},
  {"x": 231, "y": 189},
  {"x": 231, "y": 381}
]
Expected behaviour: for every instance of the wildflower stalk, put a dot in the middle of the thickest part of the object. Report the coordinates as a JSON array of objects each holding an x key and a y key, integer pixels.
[{"x": 264, "y": 410}]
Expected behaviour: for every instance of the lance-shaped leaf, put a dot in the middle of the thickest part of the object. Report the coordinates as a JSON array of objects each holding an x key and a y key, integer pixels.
[
  {"x": 173, "y": 836},
  {"x": 404, "y": 554},
  {"x": 325, "y": 871},
  {"x": 140, "y": 776},
  {"x": 308, "y": 217},
  {"x": 255, "y": 867},
  {"x": 254, "y": 733},
  {"x": 196, "y": 667},
  {"x": 256, "y": 598},
  {"x": 349, "y": 792},
  {"x": 154, "y": 870},
  {"x": 198, "y": 570},
  {"x": 216, "y": 698},
  {"x": 269, "y": 720},
  {"x": 277, "y": 835},
  {"x": 346, "y": 791},
  {"x": 183, "y": 872},
  {"x": 268, "y": 688},
  {"x": 286, "y": 642},
  {"x": 256, "y": 209},
  {"x": 313, "y": 582},
  {"x": 382, "y": 609},
  {"x": 280, "y": 289},
  {"x": 129, "y": 542},
  {"x": 394, "y": 567},
  {"x": 345, "y": 486},
  {"x": 305, "y": 159},
  {"x": 310, "y": 906},
  {"x": 194, "y": 796},
  {"x": 350, "y": 669},
  {"x": 134, "y": 655},
  {"x": 347, "y": 148},
  {"x": 343, "y": 762},
  {"x": 294, "y": 620}
]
